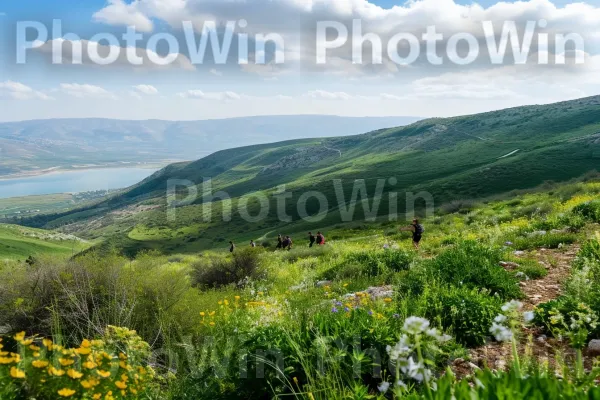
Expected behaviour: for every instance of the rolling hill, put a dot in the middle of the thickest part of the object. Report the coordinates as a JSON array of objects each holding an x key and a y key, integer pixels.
[
  {"x": 466, "y": 157},
  {"x": 33, "y": 146},
  {"x": 18, "y": 243}
]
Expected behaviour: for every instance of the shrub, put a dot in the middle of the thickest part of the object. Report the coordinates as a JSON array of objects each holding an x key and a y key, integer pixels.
[
  {"x": 589, "y": 210},
  {"x": 236, "y": 269},
  {"x": 548, "y": 241},
  {"x": 465, "y": 313},
  {"x": 475, "y": 266},
  {"x": 589, "y": 253},
  {"x": 370, "y": 263}
]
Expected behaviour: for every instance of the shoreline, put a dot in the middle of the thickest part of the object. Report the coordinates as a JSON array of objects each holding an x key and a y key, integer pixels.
[{"x": 60, "y": 170}]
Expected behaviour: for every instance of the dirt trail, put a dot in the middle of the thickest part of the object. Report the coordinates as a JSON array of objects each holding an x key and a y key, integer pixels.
[{"x": 497, "y": 355}]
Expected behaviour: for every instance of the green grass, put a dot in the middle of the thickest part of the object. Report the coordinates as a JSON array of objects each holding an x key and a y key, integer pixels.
[{"x": 18, "y": 243}]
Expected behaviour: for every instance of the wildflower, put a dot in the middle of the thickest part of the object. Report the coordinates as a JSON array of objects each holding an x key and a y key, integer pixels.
[
  {"x": 529, "y": 316},
  {"x": 6, "y": 360},
  {"x": 55, "y": 372},
  {"x": 39, "y": 364},
  {"x": 212, "y": 323},
  {"x": 296, "y": 381},
  {"x": 226, "y": 302},
  {"x": 500, "y": 319},
  {"x": 415, "y": 370},
  {"x": 47, "y": 343},
  {"x": 65, "y": 362},
  {"x": 334, "y": 310},
  {"x": 346, "y": 309},
  {"x": 401, "y": 349},
  {"x": 345, "y": 285},
  {"x": 17, "y": 373},
  {"x": 103, "y": 374},
  {"x": 387, "y": 300},
  {"x": 383, "y": 387},
  {"x": 415, "y": 325},
  {"x": 202, "y": 313},
  {"x": 512, "y": 306},
  {"x": 88, "y": 383},
  {"x": 121, "y": 384},
  {"x": 86, "y": 343},
  {"x": 74, "y": 374},
  {"x": 401, "y": 385},
  {"x": 501, "y": 333},
  {"x": 66, "y": 392},
  {"x": 237, "y": 298},
  {"x": 20, "y": 336}
]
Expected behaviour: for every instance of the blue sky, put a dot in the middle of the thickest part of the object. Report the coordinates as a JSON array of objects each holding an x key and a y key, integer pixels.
[{"x": 187, "y": 90}]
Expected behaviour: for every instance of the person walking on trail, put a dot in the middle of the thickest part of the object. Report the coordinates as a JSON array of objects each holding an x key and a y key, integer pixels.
[
  {"x": 311, "y": 239},
  {"x": 232, "y": 246},
  {"x": 252, "y": 244},
  {"x": 287, "y": 243},
  {"x": 320, "y": 239},
  {"x": 279, "y": 242},
  {"x": 417, "y": 232}
]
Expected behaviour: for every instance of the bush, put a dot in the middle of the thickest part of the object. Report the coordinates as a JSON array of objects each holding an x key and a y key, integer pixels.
[
  {"x": 236, "y": 269},
  {"x": 475, "y": 266},
  {"x": 370, "y": 263},
  {"x": 589, "y": 253},
  {"x": 548, "y": 241},
  {"x": 465, "y": 313},
  {"x": 589, "y": 210}
]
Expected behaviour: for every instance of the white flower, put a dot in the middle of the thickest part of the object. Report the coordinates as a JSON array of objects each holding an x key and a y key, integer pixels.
[
  {"x": 383, "y": 387},
  {"x": 512, "y": 305},
  {"x": 500, "y": 332},
  {"x": 401, "y": 384},
  {"x": 415, "y": 325},
  {"x": 414, "y": 370},
  {"x": 500, "y": 318},
  {"x": 434, "y": 333},
  {"x": 401, "y": 349},
  {"x": 528, "y": 316}
]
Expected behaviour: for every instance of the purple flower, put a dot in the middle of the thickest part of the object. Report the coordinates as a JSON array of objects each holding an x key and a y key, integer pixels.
[
  {"x": 338, "y": 303},
  {"x": 370, "y": 312},
  {"x": 334, "y": 310},
  {"x": 346, "y": 309}
]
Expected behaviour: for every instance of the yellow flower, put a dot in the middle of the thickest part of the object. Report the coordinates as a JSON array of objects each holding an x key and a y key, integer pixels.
[
  {"x": 296, "y": 381},
  {"x": 387, "y": 300},
  {"x": 83, "y": 350},
  {"x": 34, "y": 347},
  {"x": 104, "y": 374},
  {"x": 212, "y": 323},
  {"x": 66, "y": 392},
  {"x": 121, "y": 385},
  {"x": 90, "y": 364},
  {"x": 237, "y": 298},
  {"x": 345, "y": 285},
  {"x": 220, "y": 302},
  {"x": 226, "y": 302},
  {"x": 202, "y": 313},
  {"x": 17, "y": 373},
  {"x": 97, "y": 396},
  {"x": 66, "y": 361},
  {"x": 39, "y": 363},
  {"x": 55, "y": 372},
  {"x": 74, "y": 374},
  {"x": 20, "y": 336},
  {"x": 212, "y": 313},
  {"x": 89, "y": 383},
  {"x": 6, "y": 360},
  {"x": 26, "y": 342},
  {"x": 86, "y": 343},
  {"x": 47, "y": 343}
]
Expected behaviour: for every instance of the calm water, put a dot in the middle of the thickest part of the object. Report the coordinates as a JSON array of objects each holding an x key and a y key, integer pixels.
[{"x": 73, "y": 181}]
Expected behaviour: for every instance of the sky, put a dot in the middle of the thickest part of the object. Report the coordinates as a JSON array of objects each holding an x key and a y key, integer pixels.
[{"x": 41, "y": 77}]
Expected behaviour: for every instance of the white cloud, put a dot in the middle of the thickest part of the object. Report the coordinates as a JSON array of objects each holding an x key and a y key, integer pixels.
[
  {"x": 219, "y": 96},
  {"x": 148, "y": 90},
  {"x": 215, "y": 72},
  {"x": 70, "y": 51},
  {"x": 325, "y": 95},
  {"x": 120, "y": 13},
  {"x": 19, "y": 91},
  {"x": 86, "y": 91}
]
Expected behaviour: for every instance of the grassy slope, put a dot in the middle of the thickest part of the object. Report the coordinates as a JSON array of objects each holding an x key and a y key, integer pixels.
[
  {"x": 453, "y": 158},
  {"x": 18, "y": 243}
]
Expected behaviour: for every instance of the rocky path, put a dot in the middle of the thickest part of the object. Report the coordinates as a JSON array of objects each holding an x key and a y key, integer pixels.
[{"x": 496, "y": 355}]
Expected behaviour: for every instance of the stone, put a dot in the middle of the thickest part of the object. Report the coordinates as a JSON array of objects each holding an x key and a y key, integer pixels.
[
  {"x": 519, "y": 253},
  {"x": 593, "y": 348},
  {"x": 324, "y": 283},
  {"x": 536, "y": 233},
  {"x": 542, "y": 338},
  {"x": 509, "y": 265},
  {"x": 473, "y": 366}
]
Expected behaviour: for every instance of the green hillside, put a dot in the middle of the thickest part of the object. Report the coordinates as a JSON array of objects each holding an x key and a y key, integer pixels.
[
  {"x": 467, "y": 157},
  {"x": 18, "y": 243}
]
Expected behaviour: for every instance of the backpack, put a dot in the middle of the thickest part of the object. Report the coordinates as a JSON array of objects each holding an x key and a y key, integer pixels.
[{"x": 419, "y": 229}]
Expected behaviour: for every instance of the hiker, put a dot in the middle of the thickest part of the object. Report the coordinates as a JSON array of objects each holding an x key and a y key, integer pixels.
[
  {"x": 279, "y": 242},
  {"x": 311, "y": 239},
  {"x": 287, "y": 243},
  {"x": 252, "y": 244},
  {"x": 320, "y": 239},
  {"x": 232, "y": 248},
  {"x": 417, "y": 232}
]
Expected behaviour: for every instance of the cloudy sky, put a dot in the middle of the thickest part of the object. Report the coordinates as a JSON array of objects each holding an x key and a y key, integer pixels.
[{"x": 289, "y": 81}]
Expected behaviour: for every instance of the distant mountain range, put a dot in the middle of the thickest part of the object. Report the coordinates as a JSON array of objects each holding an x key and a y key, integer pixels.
[
  {"x": 34, "y": 146},
  {"x": 467, "y": 157}
]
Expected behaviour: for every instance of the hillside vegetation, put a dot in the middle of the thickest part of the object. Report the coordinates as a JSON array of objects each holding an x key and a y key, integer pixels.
[
  {"x": 20, "y": 243},
  {"x": 451, "y": 159},
  {"x": 364, "y": 317}
]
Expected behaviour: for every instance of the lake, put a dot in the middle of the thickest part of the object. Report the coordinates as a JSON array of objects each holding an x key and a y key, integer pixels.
[{"x": 73, "y": 181}]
